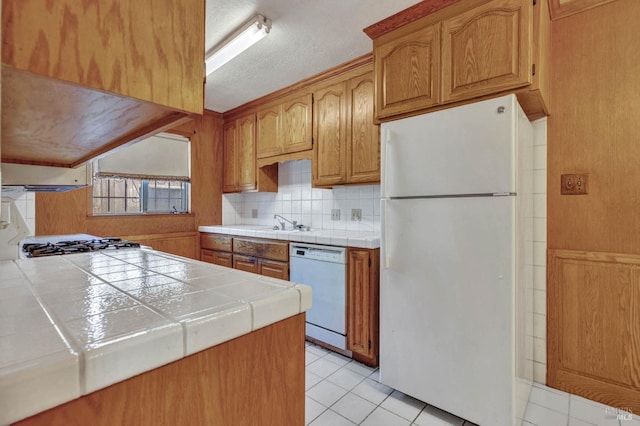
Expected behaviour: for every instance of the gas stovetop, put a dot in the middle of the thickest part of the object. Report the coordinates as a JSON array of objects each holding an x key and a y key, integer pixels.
[{"x": 75, "y": 246}]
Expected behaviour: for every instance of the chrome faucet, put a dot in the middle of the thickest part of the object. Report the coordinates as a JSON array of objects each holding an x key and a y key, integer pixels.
[{"x": 293, "y": 223}]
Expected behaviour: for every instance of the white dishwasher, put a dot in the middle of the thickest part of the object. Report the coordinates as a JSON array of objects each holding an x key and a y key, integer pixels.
[{"x": 324, "y": 269}]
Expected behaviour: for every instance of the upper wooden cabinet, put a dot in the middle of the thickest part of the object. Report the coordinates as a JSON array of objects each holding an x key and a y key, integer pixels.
[
  {"x": 239, "y": 151},
  {"x": 81, "y": 78},
  {"x": 347, "y": 143},
  {"x": 363, "y": 153},
  {"x": 330, "y": 135},
  {"x": 461, "y": 52},
  {"x": 285, "y": 127},
  {"x": 486, "y": 50},
  {"x": 268, "y": 131},
  {"x": 296, "y": 124},
  {"x": 408, "y": 71}
]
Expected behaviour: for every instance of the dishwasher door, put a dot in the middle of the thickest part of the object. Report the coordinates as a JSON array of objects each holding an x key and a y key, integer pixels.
[{"x": 323, "y": 268}]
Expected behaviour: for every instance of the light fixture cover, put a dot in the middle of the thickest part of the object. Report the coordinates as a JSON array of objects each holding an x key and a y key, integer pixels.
[{"x": 246, "y": 36}]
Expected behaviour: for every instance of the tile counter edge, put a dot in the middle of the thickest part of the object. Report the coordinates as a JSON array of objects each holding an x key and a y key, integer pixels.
[{"x": 183, "y": 334}]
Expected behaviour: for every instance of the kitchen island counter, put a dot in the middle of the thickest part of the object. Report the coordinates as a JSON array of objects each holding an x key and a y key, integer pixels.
[
  {"x": 73, "y": 325},
  {"x": 334, "y": 237}
]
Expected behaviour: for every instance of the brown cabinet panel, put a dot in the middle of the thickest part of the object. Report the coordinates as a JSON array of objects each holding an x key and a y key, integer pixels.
[
  {"x": 246, "y": 155},
  {"x": 407, "y": 70},
  {"x": 486, "y": 49},
  {"x": 593, "y": 335},
  {"x": 268, "y": 249},
  {"x": 218, "y": 242},
  {"x": 245, "y": 263},
  {"x": 330, "y": 135},
  {"x": 230, "y": 165},
  {"x": 363, "y": 153},
  {"x": 363, "y": 304},
  {"x": 267, "y": 135},
  {"x": 296, "y": 124},
  {"x": 347, "y": 142},
  {"x": 274, "y": 269}
]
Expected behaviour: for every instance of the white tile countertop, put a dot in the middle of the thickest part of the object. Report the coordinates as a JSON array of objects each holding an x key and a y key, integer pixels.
[
  {"x": 73, "y": 324},
  {"x": 334, "y": 237}
]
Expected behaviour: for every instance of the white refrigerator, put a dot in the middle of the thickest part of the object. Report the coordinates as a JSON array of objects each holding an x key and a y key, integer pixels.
[{"x": 456, "y": 260}]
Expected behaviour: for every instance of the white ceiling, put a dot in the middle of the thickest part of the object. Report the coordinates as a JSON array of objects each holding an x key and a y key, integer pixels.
[{"x": 307, "y": 37}]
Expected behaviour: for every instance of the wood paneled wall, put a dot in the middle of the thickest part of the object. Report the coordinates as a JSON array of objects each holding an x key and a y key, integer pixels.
[
  {"x": 595, "y": 128},
  {"x": 70, "y": 212}
]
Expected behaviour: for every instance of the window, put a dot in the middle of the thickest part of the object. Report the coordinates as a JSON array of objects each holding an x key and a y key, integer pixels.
[
  {"x": 149, "y": 176},
  {"x": 136, "y": 196}
]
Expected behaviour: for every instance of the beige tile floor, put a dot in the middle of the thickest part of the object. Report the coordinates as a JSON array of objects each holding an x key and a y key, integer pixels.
[{"x": 340, "y": 391}]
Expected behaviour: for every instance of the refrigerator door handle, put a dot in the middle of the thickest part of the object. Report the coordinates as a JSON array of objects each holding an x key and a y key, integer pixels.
[
  {"x": 384, "y": 177},
  {"x": 386, "y": 262}
]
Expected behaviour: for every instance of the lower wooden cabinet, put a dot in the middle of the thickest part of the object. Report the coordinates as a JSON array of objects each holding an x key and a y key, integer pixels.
[
  {"x": 363, "y": 306},
  {"x": 216, "y": 248}
]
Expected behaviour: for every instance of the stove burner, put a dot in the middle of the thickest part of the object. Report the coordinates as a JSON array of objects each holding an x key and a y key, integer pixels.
[{"x": 78, "y": 246}]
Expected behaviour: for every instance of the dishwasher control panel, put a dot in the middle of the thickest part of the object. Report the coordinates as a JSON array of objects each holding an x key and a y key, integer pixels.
[{"x": 320, "y": 253}]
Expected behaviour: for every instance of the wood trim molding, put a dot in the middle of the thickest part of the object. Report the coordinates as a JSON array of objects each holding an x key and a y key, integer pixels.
[
  {"x": 561, "y": 9},
  {"x": 406, "y": 16},
  {"x": 301, "y": 85},
  {"x": 592, "y": 332}
]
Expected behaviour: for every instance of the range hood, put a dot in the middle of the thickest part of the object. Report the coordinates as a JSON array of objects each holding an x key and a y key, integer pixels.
[{"x": 44, "y": 178}]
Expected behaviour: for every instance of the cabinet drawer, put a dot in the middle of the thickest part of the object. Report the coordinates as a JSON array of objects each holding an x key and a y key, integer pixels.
[
  {"x": 268, "y": 249},
  {"x": 246, "y": 263},
  {"x": 216, "y": 242},
  {"x": 274, "y": 269},
  {"x": 217, "y": 257}
]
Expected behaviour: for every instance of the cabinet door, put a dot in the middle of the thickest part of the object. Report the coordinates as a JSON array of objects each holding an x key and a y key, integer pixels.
[
  {"x": 486, "y": 49},
  {"x": 268, "y": 124},
  {"x": 229, "y": 174},
  {"x": 362, "y": 304},
  {"x": 246, "y": 152},
  {"x": 407, "y": 72},
  {"x": 274, "y": 269},
  {"x": 206, "y": 255},
  {"x": 245, "y": 263},
  {"x": 330, "y": 135},
  {"x": 363, "y": 152},
  {"x": 296, "y": 124},
  {"x": 223, "y": 259}
]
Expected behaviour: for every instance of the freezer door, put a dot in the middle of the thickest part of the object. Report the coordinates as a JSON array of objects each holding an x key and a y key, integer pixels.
[
  {"x": 462, "y": 150},
  {"x": 446, "y": 301}
]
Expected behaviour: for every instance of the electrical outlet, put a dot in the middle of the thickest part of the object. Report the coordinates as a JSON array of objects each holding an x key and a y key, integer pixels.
[
  {"x": 356, "y": 214},
  {"x": 574, "y": 184},
  {"x": 335, "y": 214},
  {"x": 254, "y": 213}
]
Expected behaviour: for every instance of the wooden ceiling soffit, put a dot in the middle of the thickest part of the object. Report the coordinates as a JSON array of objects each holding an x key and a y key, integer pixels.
[
  {"x": 406, "y": 16},
  {"x": 54, "y": 123}
]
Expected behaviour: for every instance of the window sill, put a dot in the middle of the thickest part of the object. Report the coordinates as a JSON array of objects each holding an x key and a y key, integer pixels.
[{"x": 138, "y": 215}]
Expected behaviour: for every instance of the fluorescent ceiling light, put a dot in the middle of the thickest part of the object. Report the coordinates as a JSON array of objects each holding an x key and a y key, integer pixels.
[{"x": 245, "y": 37}]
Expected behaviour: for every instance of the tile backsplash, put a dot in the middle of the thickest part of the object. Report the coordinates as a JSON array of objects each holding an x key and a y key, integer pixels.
[{"x": 297, "y": 200}]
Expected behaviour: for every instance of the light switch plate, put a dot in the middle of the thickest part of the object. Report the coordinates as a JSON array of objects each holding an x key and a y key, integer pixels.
[
  {"x": 356, "y": 214},
  {"x": 254, "y": 213},
  {"x": 335, "y": 214}
]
